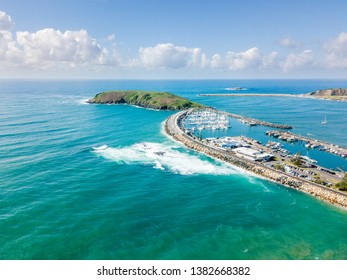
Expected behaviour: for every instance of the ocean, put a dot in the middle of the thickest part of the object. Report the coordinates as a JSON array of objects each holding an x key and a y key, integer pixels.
[{"x": 60, "y": 198}]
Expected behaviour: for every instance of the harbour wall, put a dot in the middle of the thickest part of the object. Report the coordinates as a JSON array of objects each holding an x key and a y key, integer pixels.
[
  {"x": 173, "y": 127},
  {"x": 328, "y": 147},
  {"x": 255, "y": 121}
]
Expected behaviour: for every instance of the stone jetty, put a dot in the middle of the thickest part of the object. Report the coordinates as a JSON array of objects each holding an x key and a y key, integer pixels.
[
  {"x": 256, "y": 121},
  {"x": 310, "y": 143},
  {"x": 174, "y": 125}
]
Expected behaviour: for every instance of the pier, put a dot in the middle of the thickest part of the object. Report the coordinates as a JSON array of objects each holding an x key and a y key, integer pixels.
[
  {"x": 309, "y": 142},
  {"x": 258, "y": 122},
  {"x": 174, "y": 126},
  {"x": 251, "y": 121}
]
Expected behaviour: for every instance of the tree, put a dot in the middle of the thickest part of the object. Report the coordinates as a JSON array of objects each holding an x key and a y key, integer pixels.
[
  {"x": 342, "y": 185},
  {"x": 297, "y": 159}
]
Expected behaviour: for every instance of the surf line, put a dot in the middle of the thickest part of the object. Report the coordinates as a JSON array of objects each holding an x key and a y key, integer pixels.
[{"x": 174, "y": 128}]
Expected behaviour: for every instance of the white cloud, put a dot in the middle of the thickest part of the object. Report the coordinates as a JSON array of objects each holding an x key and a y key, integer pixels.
[
  {"x": 111, "y": 37},
  {"x": 289, "y": 43},
  {"x": 216, "y": 61},
  {"x": 297, "y": 61},
  {"x": 8, "y": 49},
  {"x": 271, "y": 61},
  {"x": 244, "y": 60},
  {"x": 63, "y": 50},
  {"x": 336, "y": 52},
  {"x": 170, "y": 56},
  {"x": 6, "y": 22},
  {"x": 49, "y": 45},
  {"x": 50, "y": 48}
]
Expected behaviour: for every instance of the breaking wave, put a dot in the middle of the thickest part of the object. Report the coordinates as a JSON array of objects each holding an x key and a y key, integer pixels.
[
  {"x": 165, "y": 158},
  {"x": 84, "y": 101}
]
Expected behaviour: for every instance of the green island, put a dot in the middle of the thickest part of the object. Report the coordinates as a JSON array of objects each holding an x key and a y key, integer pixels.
[{"x": 146, "y": 99}]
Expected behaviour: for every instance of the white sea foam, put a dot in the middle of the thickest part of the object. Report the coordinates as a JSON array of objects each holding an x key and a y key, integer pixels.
[
  {"x": 83, "y": 101},
  {"x": 165, "y": 158},
  {"x": 103, "y": 147}
]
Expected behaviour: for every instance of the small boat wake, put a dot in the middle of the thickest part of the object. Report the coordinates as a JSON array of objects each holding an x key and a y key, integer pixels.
[
  {"x": 235, "y": 88},
  {"x": 103, "y": 147},
  {"x": 165, "y": 158}
]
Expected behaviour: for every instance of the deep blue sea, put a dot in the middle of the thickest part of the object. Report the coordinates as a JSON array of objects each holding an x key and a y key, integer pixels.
[{"x": 62, "y": 199}]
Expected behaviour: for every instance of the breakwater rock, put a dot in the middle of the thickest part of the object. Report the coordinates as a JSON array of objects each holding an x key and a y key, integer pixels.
[
  {"x": 258, "y": 122},
  {"x": 173, "y": 128}
]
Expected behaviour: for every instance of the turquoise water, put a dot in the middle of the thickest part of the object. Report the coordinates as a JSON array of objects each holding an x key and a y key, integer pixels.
[{"x": 62, "y": 199}]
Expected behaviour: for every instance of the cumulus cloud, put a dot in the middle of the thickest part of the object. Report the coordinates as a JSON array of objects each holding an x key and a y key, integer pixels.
[
  {"x": 336, "y": 51},
  {"x": 243, "y": 60},
  {"x": 170, "y": 56},
  {"x": 6, "y": 22},
  {"x": 216, "y": 61},
  {"x": 271, "y": 61},
  {"x": 54, "y": 49},
  {"x": 297, "y": 61},
  {"x": 48, "y": 48},
  {"x": 49, "y": 45},
  {"x": 111, "y": 37},
  {"x": 289, "y": 43},
  {"x": 8, "y": 48},
  {"x": 251, "y": 59}
]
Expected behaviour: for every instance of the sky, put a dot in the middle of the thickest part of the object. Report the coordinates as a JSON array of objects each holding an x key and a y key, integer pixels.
[{"x": 181, "y": 39}]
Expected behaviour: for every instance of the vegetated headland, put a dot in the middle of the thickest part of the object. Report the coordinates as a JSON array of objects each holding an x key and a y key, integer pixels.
[
  {"x": 146, "y": 99},
  {"x": 296, "y": 172},
  {"x": 337, "y": 94}
]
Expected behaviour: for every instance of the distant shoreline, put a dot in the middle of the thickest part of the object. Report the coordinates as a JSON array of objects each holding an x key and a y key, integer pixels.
[
  {"x": 332, "y": 98},
  {"x": 251, "y": 94}
]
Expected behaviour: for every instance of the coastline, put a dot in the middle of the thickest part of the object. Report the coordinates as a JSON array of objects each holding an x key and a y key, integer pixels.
[
  {"x": 252, "y": 94},
  {"x": 173, "y": 128},
  {"x": 334, "y": 98}
]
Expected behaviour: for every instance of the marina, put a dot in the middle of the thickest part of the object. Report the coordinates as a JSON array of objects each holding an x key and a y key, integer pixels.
[
  {"x": 309, "y": 142},
  {"x": 269, "y": 161},
  {"x": 254, "y": 122},
  {"x": 206, "y": 119},
  {"x": 210, "y": 118}
]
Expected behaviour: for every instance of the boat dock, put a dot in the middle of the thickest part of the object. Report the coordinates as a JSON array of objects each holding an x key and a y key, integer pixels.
[
  {"x": 252, "y": 121},
  {"x": 309, "y": 142}
]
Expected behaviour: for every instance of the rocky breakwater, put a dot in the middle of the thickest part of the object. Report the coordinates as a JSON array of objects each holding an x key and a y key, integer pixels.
[
  {"x": 258, "y": 122},
  {"x": 173, "y": 128}
]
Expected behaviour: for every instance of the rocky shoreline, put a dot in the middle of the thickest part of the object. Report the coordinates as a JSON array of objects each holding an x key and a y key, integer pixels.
[
  {"x": 145, "y": 99},
  {"x": 337, "y": 94},
  {"x": 173, "y": 128}
]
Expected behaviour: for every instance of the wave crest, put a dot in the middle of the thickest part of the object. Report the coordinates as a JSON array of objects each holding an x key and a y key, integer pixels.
[{"x": 165, "y": 158}]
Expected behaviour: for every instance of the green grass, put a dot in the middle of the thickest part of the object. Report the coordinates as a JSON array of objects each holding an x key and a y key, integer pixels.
[{"x": 150, "y": 99}]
